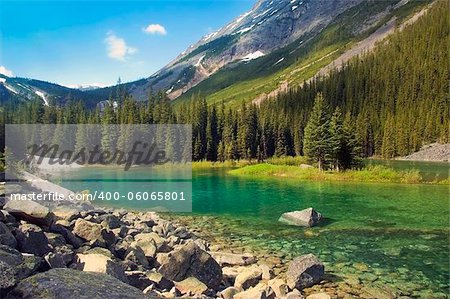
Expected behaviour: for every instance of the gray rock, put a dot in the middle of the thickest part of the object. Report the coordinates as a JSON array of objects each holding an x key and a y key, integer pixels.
[
  {"x": 148, "y": 246},
  {"x": 137, "y": 256},
  {"x": 6, "y": 237},
  {"x": 101, "y": 264},
  {"x": 67, "y": 213},
  {"x": 248, "y": 277},
  {"x": 30, "y": 211},
  {"x": 8, "y": 276},
  {"x": 233, "y": 259},
  {"x": 31, "y": 239},
  {"x": 138, "y": 279},
  {"x": 67, "y": 234},
  {"x": 24, "y": 265},
  {"x": 261, "y": 291},
  {"x": 191, "y": 286},
  {"x": 54, "y": 260},
  {"x": 71, "y": 284},
  {"x": 160, "y": 281},
  {"x": 94, "y": 233},
  {"x": 190, "y": 261},
  {"x": 304, "y": 271},
  {"x": 55, "y": 240},
  {"x": 110, "y": 221},
  {"x": 229, "y": 293},
  {"x": 307, "y": 218}
]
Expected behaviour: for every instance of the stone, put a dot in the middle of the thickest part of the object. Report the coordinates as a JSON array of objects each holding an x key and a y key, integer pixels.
[
  {"x": 7, "y": 276},
  {"x": 30, "y": 211},
  {"x": 110, "y": 221},
  {"x": 295, "y": 294},
  {"x": 66, "y": 253},
  {"x": 68, "y": 283},
  {"x": 6, "y": 237},
  {"x": 66, "y": 213},
  {"x": 191, "y": 286},
  {"x": 24, "y": 265},
  {"x": 138, "y": 279},
  {"x": 267, "y": 272},
  {"x": 99, "y": 250},
  {"x": 101, "y": 264},
  {"x": 248, "y": 277},
  {"x": 190, "y": 261},
  {"x": 93, "y": 232},
  {"x": 31, "y": 239},
  {"x": 137, "y": 256},
  {"x": 73, "y": 240},
  {"x": 148, "y": 247},
  {"x": 319, "y": 296},
  {"x": 304, "y": 271},
  {"x": 279, "y": 287},
  {"x": 159, "y": 242},
  {"x": 306, "y": 218},
  {"x": 261, "y": 291},
  {"x": 229, "y": 293},
  {"x": 233, "y": 259},
  {"x": 55, "y": 240},
  {"x": 160, "y": 281},
  {"x": 54, "y": 260}
]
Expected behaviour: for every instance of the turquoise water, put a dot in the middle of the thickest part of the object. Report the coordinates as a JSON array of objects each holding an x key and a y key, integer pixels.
[{"x": 398, "y": 233}]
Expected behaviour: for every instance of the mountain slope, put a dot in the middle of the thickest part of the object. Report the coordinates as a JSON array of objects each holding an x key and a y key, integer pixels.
[
  {"x": 274, "y": 42},
  {"x": 16, "y": 89}
]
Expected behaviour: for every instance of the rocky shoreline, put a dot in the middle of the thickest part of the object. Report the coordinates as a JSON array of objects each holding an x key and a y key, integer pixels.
[{"x": 55, "y": 250}]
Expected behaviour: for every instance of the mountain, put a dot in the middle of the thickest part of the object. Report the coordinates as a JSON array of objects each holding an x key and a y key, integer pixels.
[
  {"x": 16, "y": 89},
  {"x": 275, "y": 44}
]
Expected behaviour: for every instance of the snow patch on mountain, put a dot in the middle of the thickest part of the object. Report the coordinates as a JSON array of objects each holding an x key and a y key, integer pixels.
[
  {"x": 199, "y": 61},
  {"x": 253, "y": 55},
  {"x": 42, "y": 96}
]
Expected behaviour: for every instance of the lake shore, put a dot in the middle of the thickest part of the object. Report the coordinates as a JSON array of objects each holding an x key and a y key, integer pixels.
[
  {"x": 154, "y": 257},
  {"x": 374, "y": 174}
]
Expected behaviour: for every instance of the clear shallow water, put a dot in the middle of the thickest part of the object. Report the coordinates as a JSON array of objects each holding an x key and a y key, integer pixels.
[{"x": 391, "y": 235}]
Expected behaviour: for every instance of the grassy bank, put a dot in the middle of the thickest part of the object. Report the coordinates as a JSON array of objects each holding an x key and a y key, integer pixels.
[{"x": 375, "y": 173}]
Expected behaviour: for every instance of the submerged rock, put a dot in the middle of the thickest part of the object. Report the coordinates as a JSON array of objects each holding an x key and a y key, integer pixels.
[
  {"x": 304, "y": 271},
  {"x": 68, "y": 283},
  {"x": 307, "y": 218}
]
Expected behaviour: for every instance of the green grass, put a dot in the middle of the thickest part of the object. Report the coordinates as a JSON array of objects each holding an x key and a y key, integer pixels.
[
  {"x": 378, "y": 173},
  {"x": 225, "y": 164}
]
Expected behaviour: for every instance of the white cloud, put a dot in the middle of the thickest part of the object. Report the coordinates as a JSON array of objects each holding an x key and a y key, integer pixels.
[
  {"x": 155, "y": 29},
  {"x": 5, "y": 71},
  {"x": 117, "y": 48}
]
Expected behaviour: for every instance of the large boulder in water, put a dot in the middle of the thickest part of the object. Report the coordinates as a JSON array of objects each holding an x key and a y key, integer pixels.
[
  {"x": 68, "y": 283},
  {"x": 304, "y": 271},
  {"x": 307, "y": 218},
  {"x": 189, "y": 260}
]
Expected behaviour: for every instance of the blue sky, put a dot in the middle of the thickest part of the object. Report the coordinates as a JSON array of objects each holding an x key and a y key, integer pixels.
[{"x": 85, "y": 42}]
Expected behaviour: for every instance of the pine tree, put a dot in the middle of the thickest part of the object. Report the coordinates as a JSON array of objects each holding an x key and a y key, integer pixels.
[{"x": 317, "y": 134}]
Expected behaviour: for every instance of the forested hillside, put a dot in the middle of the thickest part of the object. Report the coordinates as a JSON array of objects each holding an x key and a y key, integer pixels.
[{"x": 395, "y": 99}]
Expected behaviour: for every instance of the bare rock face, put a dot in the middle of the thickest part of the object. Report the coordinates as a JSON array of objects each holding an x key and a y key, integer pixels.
[
  {"x": 306, "y": 218},
  {"x": 68, "y": 283},
  {"x": 304, "y": 271},
  {"x": 190, "y": 261}
]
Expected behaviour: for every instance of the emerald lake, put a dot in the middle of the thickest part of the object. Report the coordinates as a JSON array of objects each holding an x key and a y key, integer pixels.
[{"x": 394, "y": 235}]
